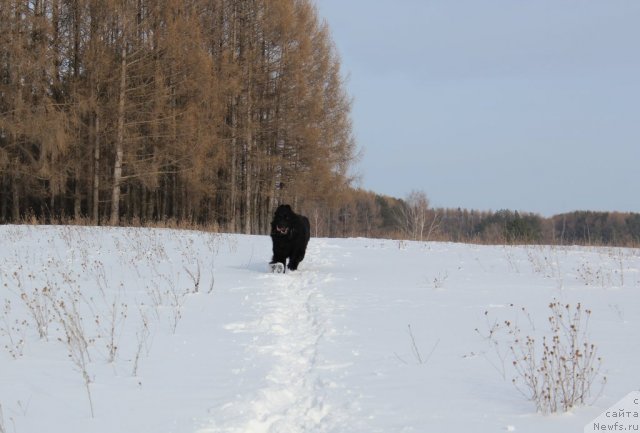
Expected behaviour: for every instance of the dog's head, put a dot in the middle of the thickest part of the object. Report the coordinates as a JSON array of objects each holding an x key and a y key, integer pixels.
[{"x": 283, "y": 220}]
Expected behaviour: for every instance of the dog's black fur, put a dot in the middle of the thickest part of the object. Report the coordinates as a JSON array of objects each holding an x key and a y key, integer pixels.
[{"x": 290, "y": 234}]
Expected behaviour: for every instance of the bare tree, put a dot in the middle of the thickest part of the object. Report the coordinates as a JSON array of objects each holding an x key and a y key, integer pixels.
[{"x": 415, "y": 218}]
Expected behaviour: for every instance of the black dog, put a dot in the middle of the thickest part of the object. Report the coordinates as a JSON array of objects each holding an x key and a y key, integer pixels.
[{"x": 290, "y": 234}]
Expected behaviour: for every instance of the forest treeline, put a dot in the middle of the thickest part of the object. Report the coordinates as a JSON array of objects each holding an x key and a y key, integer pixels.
[
  {"x": 368, "y": 214},
  {"x": 208, "y": 113},
  {"x": 372, "y": 215},
  {"x": 202, "y": 111}
]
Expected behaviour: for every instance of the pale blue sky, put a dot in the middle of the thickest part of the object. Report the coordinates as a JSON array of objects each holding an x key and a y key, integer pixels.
[{"x": 530, "y": 105}]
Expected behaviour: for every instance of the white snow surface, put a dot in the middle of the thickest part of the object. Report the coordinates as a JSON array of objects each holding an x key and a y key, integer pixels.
[{"x": 187, "y": 332}]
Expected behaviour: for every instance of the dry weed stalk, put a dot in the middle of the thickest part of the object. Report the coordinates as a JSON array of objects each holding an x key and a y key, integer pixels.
[{"x": 76, "y": 341}]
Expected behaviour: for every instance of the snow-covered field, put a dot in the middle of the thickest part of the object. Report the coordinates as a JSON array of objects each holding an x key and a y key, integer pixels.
[{"x": 118, "y": 330}]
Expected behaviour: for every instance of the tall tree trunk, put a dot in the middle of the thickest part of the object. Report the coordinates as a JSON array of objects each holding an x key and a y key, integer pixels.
[
  {"x": 96, "y": 170},
  {"x": 15, "y": 196},
  {"x": 117, "y": 169},
  {"x": 248, "y": 208},
  {"x": 3, "y": 198},
  {"x": 233, "y": 205},
  {"x": 77, "y": 198},
  {"x": 248, "y": 57},
  {"x": 233, "y": 175}
]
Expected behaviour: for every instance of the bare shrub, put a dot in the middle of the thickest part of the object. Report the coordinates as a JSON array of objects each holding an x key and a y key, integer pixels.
[{"x": 556, "y": 371}]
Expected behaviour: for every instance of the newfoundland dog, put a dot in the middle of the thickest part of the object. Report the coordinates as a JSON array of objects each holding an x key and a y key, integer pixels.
[{"x": 290, "y": 234}]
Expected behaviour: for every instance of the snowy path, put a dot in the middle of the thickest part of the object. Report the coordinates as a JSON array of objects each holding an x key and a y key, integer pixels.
[{"x": 293, "y": 319}]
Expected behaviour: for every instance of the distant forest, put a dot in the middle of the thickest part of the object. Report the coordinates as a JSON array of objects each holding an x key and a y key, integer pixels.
[
  {"x": 208, "y": 113},
  {"x": 372, "y": 215}
]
